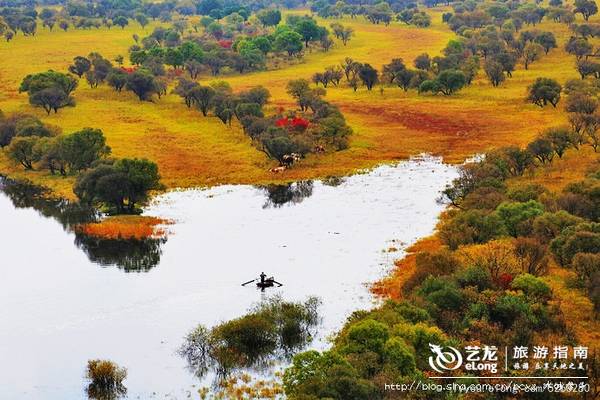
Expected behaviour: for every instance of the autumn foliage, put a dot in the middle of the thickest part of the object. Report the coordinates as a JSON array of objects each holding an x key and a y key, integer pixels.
[
  {"x": 293, "y": 123},
  {"x": 126, "y": 227}
]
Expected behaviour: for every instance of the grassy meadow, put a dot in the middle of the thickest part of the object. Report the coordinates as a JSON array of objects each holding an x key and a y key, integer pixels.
[{"x": 192, "y": 150}]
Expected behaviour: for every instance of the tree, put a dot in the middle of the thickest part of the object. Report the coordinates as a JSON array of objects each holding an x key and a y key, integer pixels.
[
  {"x": 142, "y": 176},
  {"x": 117, "y": 78},
  {"x": 368, "y": 75},
  {"x": 531, "y": 53},
  {"x": 587, "y": 67},
  {"x": 269, "y": 17},
  {"x": 51, "y": 99},
  {"x": 82, "y": 148},
  {"x": 121, "y": 21},
  {"x": 586, "y": 8},
  {"x": 560, "y": 138},
  {"x": 508, "y": 60},
  {"x": 345, "y": 34},
  {"x": 546, "y": 40},
  {"x": 518, "y": 217},
  {"x": 44, "y": 80},
  {"x": 21, "y": 150},
  {"x": 142, "y": 83},
  {"x": 80, "y": 66},
  {"x": 203, "y": 96},
  {"x": 531, "y": 255},
  {"x": 494, "y": 72},
  {"x": 308, "y": 29},
  {"x": 141, "y": 19},
  {"x": 544, "y": 91},
  {"x": 121, "y": 185},
  {"x": 101, "y": 67},
  {"x": 447, "y": 82},
  {"x": 289, "y": 41},
  {"x": 423, "y": 62},
  {"x": 541, "y": 149},
  {"x": 392, "y": 70},
  {"x": 404, "y": 79},
  {"x": 579, "y": 47}
]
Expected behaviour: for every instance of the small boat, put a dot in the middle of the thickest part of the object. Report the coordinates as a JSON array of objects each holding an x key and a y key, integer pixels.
[
  {"x": 269, "y": 282},
  {"x": 264, "y": 282}
]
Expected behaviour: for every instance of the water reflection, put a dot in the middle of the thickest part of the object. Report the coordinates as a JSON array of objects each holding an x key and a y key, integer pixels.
[
  {"x": 291, "y": 193},
  {"x": 24, "y": 194},
  {"x": 271, "y": 332},
  {"x": 98, "y": 392},
  {"x": 129, "y": 255}
]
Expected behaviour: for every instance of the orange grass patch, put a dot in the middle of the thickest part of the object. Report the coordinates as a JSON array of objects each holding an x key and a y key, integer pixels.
[{"x": 126, "y": 227}]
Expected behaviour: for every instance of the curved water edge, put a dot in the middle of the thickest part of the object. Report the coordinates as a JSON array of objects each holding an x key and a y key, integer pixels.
[{"x": 324, "y": 238}]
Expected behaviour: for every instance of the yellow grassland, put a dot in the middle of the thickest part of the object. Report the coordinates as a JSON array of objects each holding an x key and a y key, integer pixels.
[{"x": 192, "y": 150}]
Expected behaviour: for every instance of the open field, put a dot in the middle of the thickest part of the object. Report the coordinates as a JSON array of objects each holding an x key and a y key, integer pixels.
[{"x": 193, "y": 151}]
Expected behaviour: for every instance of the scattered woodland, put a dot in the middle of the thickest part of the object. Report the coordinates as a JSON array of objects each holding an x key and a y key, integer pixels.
[{"x": 108, "y": 101}]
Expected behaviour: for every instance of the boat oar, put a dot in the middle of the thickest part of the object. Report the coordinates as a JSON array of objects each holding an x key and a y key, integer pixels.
[
  {"x": 280, "y": 284},
  {"x": 244, "y": 284}
]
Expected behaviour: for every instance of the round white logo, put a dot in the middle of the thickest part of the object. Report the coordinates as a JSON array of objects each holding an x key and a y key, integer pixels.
[{"x": 444, "y": 360}]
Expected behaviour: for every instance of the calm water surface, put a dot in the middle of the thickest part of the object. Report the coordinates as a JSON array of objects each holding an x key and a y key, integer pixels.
[{"x": 64, "y": 300}]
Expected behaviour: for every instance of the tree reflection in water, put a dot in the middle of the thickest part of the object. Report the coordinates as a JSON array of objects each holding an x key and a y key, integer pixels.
[
  {"x": 129, "y": 255},
  {"x": 293, "y": 193}
]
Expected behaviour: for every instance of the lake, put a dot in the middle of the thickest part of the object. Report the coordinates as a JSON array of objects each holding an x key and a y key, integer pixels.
[{"x": 64, "y": 300}]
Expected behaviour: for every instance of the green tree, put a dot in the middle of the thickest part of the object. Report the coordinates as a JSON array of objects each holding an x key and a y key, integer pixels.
[
  {"x": 80, "y": 66},
  {"x": 117, "y": 78},
  {"x": 142, "y": 83},
  {"x": 269, "y": 17},
  {"x": 121, "y": 21},
  {"x": 289, "y": 41},
  {"x": 308, "y": 29},
  {"x": 518, "y": 217},
  {"x": 368, "y": 75},
  {"x": 494, "y": 72},
  {"x": 50, "y": 90},
  {"x": 82, "y": 148},
  {"x": 544, "y": 91},
  {"x": 586, "y": 8},
  {"x": 21, "y": 150}
]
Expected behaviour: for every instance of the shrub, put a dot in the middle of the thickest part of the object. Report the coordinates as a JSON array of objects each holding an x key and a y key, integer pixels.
[
  {"x": 475, "y": 276},
  {"x": 517, "y": 217},
  {"x": 469, "y": 227},
  {"x": 106, "y": 379},
  {"x": 581, "y": 238},
  {"x": 398, "y": 355},
  {"x": 532, "y": 286},
  {"x": 367, "y": 335}
]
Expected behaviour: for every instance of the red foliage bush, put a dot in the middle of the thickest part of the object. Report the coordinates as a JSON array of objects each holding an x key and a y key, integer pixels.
[
  {"x": 293, "y": 123},
  {"x": 505, "y": 280},
  {"x": 226, "y": 44},
  {"x": 129, "y": 70}
]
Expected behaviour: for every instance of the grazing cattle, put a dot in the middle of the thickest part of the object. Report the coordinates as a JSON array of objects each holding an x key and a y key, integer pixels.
[
  {"x": 277, "y": 170},
  {"x": 297, "y": 157},
  {"x": 288, "y": 160},
  {"x": 319, "y": 149}
]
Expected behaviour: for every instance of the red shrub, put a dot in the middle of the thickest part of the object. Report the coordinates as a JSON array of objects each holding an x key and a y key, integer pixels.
[
  {"x": 226, "y": 44},
  {"x": 129, "y": 70},
  {"x": 505, "y": 280}
]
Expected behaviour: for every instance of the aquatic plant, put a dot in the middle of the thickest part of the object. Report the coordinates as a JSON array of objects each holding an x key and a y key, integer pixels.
[{"x": 272, "y": 329}]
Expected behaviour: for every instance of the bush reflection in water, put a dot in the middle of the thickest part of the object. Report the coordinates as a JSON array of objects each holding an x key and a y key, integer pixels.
[{"x": 273, "y": 330}]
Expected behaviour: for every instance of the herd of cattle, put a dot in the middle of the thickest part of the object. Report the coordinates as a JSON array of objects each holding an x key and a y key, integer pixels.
[{"x": 289, "y": 159}]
